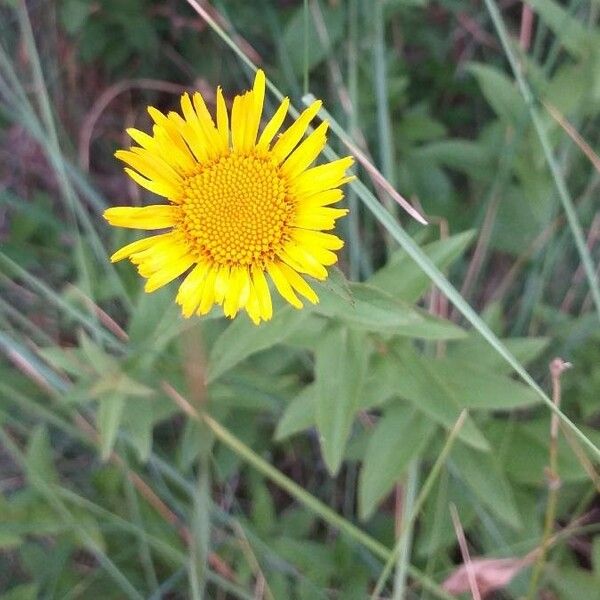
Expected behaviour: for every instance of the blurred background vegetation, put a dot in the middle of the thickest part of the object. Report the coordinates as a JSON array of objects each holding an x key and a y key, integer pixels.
[{"x": 107, "y": 490}]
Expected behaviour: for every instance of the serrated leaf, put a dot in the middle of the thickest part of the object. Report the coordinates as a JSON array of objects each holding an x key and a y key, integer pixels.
[
  {"x": 401, "y": 434},
  {"x": 405, "y": 280},
  {"x": 340, "y": 366}
]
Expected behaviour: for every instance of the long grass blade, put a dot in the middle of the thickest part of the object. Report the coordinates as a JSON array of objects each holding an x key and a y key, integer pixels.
[{"x": 557, "y": 176}]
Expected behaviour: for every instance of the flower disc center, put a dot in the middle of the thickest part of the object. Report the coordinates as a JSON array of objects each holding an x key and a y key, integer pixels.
[{"x": 236, "y": 211}]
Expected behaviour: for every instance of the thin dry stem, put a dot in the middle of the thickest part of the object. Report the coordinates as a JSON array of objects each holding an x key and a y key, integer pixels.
[
  {"x": 579, "y": 452},
  {"x": 261, "y": 589},
  {"x": 103, "y": 317},
  {"x": 579, "y": 275},
  {"x": 380, "y": 181},
  {"x": 573, "y": 134},
  {"x": 557, "y": 367},
  {"x": 101, "y": 104},
  {"x": 464, "y": 550},
  {"x": 526, "y": 27}
]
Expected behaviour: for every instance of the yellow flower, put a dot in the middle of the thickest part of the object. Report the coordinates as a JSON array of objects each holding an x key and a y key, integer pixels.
[{"x": 239, "y": 207}]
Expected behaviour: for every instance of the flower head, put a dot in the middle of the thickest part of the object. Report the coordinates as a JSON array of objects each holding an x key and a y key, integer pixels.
[{"x": 242, "y": 205}]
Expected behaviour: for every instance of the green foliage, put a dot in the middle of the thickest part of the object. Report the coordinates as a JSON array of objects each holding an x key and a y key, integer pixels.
[{"x": 111, "y": 490}]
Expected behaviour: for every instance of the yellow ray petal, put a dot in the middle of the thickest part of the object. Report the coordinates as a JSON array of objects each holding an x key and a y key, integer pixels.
[
  {"x": 306, "y": 153},
  {"x": 262, "y": 293},
  {"x": 321, "y": 198},
  {"x": 238, "y": 122},
  {"x": 208, "y": 292},
  {"x": 149, "y": 166},
  {"x": 207, "y": 124},
  {"x": 157, "y": 216},
  {"x": 169, "y": 273},
  {"x": 190, "y": 291},
  {"x": 184, "y": 157},
  {"x": 255, "y": 108},
  {"x": 141, "y": 138},
  {"x": 290, "y": 138},
  {"x": 232, "y": 301},
  {"x": 222, "y": 117},
  {"x": 321, "y": 218},
  {"x": 315, "y": 238},
  {"x": 156, "y": 187},
  {"x": 298, "y": 283},
  {"x": 272, "y": 127},
  {"x": 252, "y": 305},
  {"x": 221, "y": 282},
  {"x": 137, "y": 246},
  {"x": 159, "y": 257},
  {"x": 166, "y": 129},
  {"x": 323, "y": 177},
  {"x": 305, "y": 260},
  {"x": 193, "y": 133},
  {"x": 168, "y": 244},
  {"x": 283, "y": 286}
]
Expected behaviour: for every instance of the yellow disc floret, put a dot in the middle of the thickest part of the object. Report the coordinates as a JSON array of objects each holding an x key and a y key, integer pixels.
[{"x": 237, "y": 210}]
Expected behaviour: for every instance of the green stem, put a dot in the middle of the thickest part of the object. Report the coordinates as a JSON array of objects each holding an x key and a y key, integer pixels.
[
  {"x": 305, "y": 57},
  {"x": 423, "y": 494},
  {"x": 408, "y": 497}
]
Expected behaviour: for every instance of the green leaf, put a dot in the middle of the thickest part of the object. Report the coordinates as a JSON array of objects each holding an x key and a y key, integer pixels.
[
  {"x": 401, "y": 434},
  {"x": 405, "y": 280},
  {"x": 500, "y": 92},
  {"x": 298, "y": 415},
  {"x": 574, "y": 583},
  {"x": 472, "y": 158},
  {"x": 530, "y": 439},
  {"x": 479, "y": 388},
  {"x": 74, "y": 14},
  {"x": 24, "y": 591},
  {"x": 572, "y": 33},
  {"x": 293, "y": 37},
  {"x": 9, "y": 541},
  {"x": 414, "y": 378},
  {"x": 524, "y": 349},
  {"x": 242, "y": 338},
  {"x": 481, "y": 472},
  {"x": 374, "y": 310},
  {"x": 340, "y": 366},
  {"x": 38, "y": 459},
  {"x": 109, "y": 418}
]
